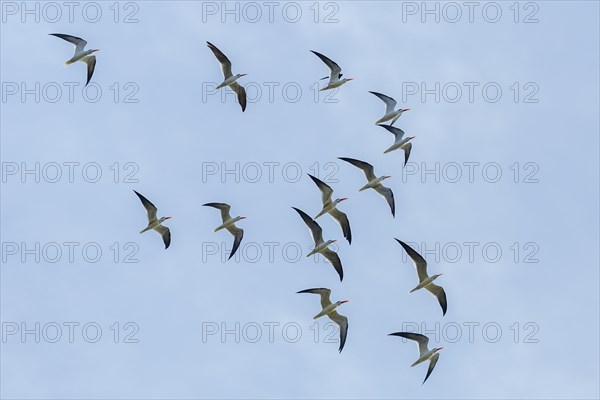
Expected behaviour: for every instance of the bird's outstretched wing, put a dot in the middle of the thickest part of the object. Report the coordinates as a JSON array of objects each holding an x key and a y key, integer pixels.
[
  {"x": 366, "y": 167},
  {"x": 165, "y": 233},
  {"x": 238, "y": 235},
  {"x": 91, "y": 66},
  {"x": 78, "y": 42},
  {"x": 334, "y": 67},
  {"x": 241, "y": 94},
  {"x": 342, "y": 321},
  {"x": 342, "y": 219},
  {"x": 390, "y": 103},
  {"x": 397, "y": 132},
  {"x": 407, "y": 148},
  {"x": 334, "y": 259},
  {"x": 387, "y": 193},
  {"x": 315, "y": 229},
  {"x": 418, "y": 261},
  {"x": 422, "y": 340},
  {"x": 225, "y": 216},
  {"x": 432, "y": 361},
  {"x": 440, "y": 294},
  {"x": 323, "y": 292},
  {"x": 325, "y": 189},
  {"x": 222, "y": 58},
  {"x": 150, "y": 208}
]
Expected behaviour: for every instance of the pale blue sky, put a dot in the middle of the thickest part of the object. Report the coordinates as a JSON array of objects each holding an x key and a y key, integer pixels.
[{"x": 172, "y": 136}]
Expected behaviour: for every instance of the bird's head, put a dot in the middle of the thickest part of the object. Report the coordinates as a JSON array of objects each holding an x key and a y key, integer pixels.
[
  {"x": 383, "y": 178},
  {"x": 337, "y": 201},
  {"x": 166, "y": 218},
  {"x": 339, "y": 303},
  {"x": 349, "y": 79},
  {"x": 437, "y": 275},
  {"x": 94, "y": 50},
  {"x": 240, "y": 75},
  {"x": 438, "y": 349},
  {"x": 411, "y": 137},
  {"x": 405, "y": 109}
]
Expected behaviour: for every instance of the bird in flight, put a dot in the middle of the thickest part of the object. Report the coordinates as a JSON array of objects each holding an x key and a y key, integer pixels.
[
  {"x": 335, "y": 78},
  {"x": 425, "y": 281},
  {"x": 390, "y": 112},
  {"x": 329, "y": 309},
  {"x": 80, "y": 54},
  {"x": 229, "y": 224},
  {"x": 399, "y": 142},
  {"x": 374, "y": 182},
  {"x": 155, "y": 223},
  {"x": 424, "y": 352},
  {"x": 230, "y": 79},
  {"x": 320, "y": 245},
  {"x": 330, "y": 207}
]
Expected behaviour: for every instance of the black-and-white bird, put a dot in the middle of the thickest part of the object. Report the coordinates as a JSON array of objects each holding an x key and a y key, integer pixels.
[
  {"x": 329, "y": 309},
  {"x": 330, "y": 207},
  {"x": 424, "y": 352},
  {"x": 335, "y": 78},
  {"x": 399, "y": 141},
  {"x": 374, "y": 182},
  {"x": 390, "y": 112},
  {"x": 425, "y": 281},
  {"x": 155, "y": 223},
  {"x": 321, "y": 246},
  {"x": 230, "y": 79},
  {"x": 80, "y": 54},
  {"x": 229, "y": 224}
]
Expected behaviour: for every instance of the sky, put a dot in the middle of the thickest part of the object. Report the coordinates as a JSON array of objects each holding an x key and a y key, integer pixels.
[{"x": 500, "y": 195}]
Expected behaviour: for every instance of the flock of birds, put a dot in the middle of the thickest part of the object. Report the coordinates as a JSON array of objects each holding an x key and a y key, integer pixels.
[{"x": 329, "y": 205}]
